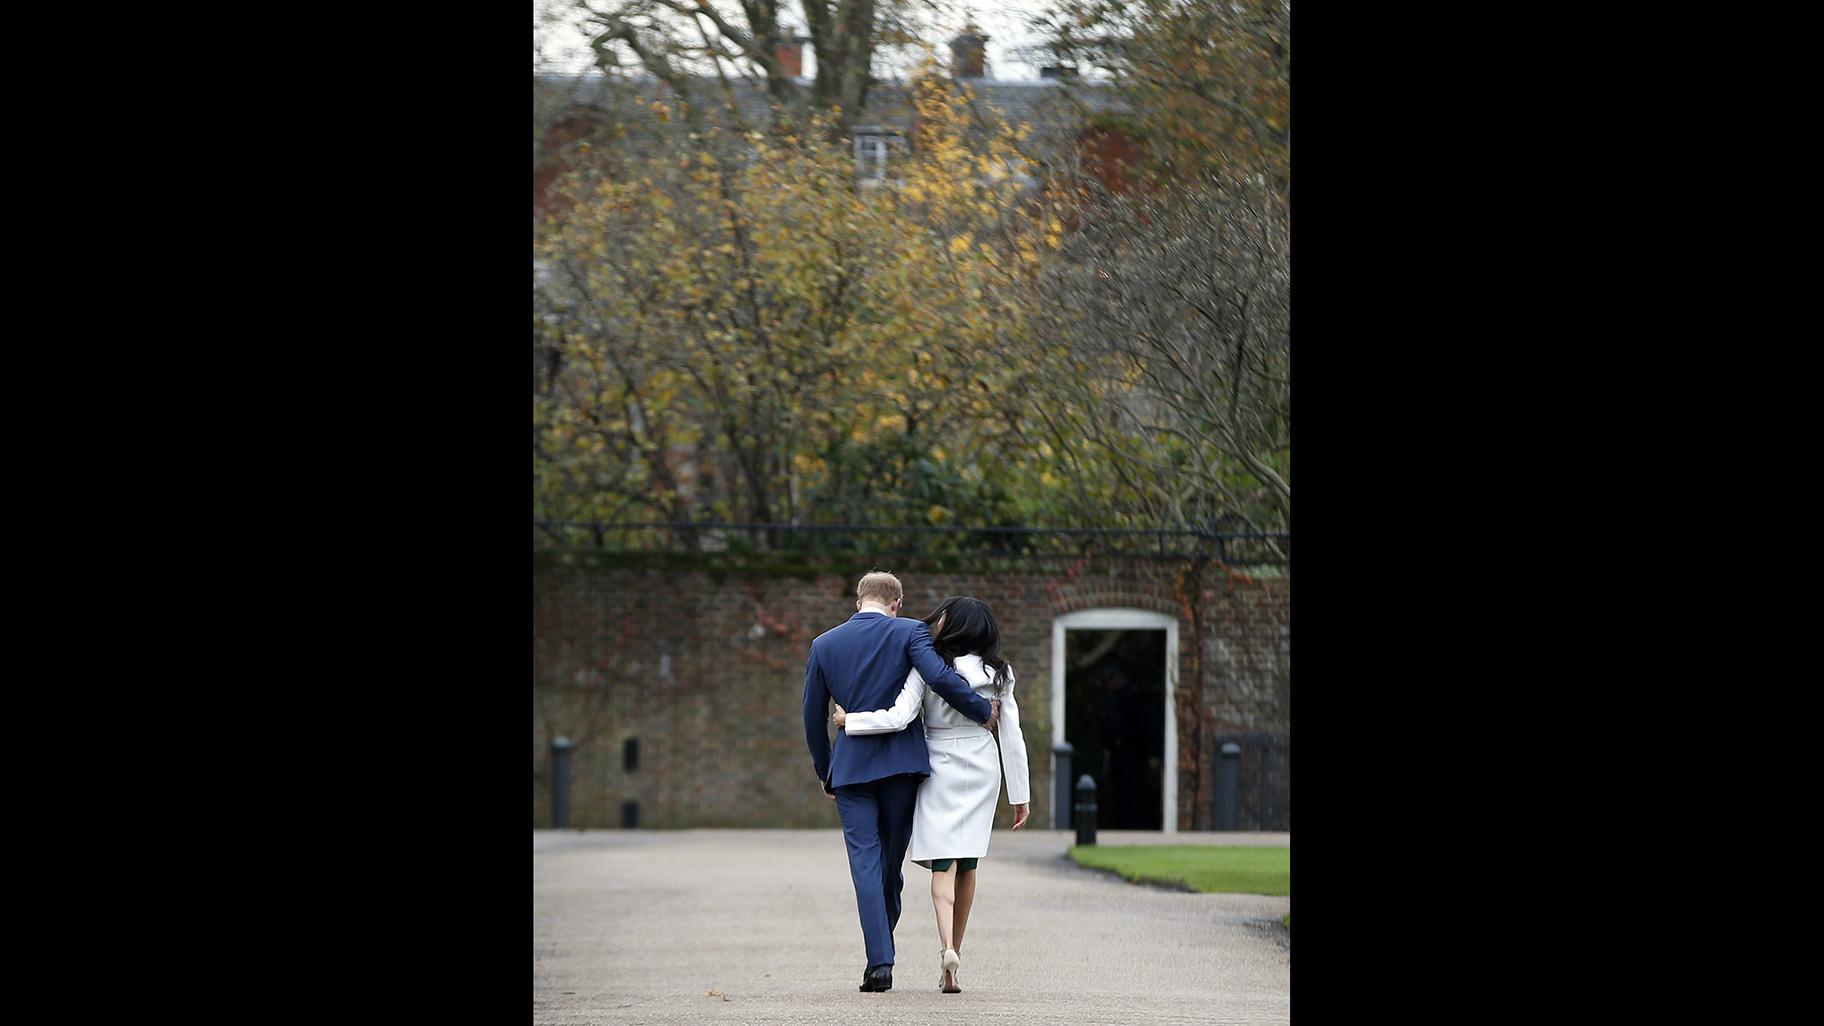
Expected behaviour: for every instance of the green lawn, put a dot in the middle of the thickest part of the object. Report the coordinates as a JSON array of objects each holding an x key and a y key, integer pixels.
[{"x": 1227, "y": 870}]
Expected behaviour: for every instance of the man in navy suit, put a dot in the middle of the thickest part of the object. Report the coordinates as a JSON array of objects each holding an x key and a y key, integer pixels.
[{"x": 874, "y": 778}]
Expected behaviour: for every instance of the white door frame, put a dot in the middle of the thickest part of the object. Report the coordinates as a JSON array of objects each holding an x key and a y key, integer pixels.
[{"x": 1124, "y": 619}]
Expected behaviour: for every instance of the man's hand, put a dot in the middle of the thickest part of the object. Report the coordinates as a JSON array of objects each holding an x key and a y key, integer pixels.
[
  {"x": 994, "y": 714},
  {"x": 838, "y": 716},
  {"x": 827, "y": 791},
  {"x": 1020, "y": 812}
]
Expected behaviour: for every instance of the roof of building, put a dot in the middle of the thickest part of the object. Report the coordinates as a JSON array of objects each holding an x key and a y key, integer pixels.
[{"x": 1048, "y": 105}]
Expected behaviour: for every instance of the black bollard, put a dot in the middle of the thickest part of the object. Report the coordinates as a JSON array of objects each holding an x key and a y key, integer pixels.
[
  {"x": 1085, "y": 817},
  {"x": 1060, "y": 774},
  {"x": 1226, "y": 798},
  {"x": 560, "y": 782}
]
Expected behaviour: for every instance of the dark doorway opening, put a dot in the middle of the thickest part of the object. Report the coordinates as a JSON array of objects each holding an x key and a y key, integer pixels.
[{"x": 1114, "y": 720}]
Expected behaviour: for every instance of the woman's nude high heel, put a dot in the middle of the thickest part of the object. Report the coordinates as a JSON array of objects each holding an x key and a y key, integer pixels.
[{"x": 946, "y": 977}]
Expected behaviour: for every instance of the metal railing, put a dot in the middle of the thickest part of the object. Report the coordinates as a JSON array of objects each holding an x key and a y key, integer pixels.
[
  {"x": 1264, "y": 759},
  {"x": 1240, "y": 547}
]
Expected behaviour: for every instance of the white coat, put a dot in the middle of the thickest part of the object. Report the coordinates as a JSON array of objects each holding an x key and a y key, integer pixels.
[{"x": 955, "y": 811}]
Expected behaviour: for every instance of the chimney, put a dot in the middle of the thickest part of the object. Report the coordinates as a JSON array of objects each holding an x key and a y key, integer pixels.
[
  {"x": 789, "y": 52},
  {"x": 969, "y": 53}
]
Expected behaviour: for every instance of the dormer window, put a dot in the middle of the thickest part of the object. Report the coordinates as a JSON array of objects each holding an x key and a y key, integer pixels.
[{"x": 873, "y": 149}]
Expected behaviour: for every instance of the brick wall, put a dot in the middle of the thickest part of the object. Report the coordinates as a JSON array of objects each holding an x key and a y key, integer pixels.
[{"x": 701, "y": 658}]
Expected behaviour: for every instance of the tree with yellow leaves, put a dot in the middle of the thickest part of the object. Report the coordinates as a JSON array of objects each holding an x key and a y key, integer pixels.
[
  {"x": 735, "y": 331},
  {"x": 1208, "y": 86}
]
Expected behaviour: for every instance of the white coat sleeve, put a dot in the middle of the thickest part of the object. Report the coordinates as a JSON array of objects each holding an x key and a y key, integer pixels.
[
  {"x": 1013, "y": 749},
  {"x": 905, "y": 709}
]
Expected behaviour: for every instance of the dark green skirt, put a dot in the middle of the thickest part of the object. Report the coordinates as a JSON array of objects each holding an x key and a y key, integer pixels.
[{"x": 943, "y": 865}]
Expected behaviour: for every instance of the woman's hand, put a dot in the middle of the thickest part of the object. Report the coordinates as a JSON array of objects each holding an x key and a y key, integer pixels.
[
  {"x": 1020, "y": 812},
  {"x": 837, "y": 719}
]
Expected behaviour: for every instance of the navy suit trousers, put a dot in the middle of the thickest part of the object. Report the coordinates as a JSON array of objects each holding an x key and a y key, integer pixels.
[{"x": 877, "y": 826}]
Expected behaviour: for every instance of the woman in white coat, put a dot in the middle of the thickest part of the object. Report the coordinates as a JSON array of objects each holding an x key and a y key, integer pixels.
[{"x": 955, "y": 811}]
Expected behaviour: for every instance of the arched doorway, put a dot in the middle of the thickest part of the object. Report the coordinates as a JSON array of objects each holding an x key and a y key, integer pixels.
[{"x": 1113, "y": 675}]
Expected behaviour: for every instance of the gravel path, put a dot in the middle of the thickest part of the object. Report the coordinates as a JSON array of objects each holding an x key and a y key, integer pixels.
[{"x": 759, "y": 926}]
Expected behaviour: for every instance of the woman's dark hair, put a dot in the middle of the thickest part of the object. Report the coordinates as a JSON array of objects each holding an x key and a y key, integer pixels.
[{"x": 969, "y": 628}]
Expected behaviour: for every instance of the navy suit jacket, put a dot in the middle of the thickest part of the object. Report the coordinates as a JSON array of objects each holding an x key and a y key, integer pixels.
[{"x": 862, "y": 664}]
